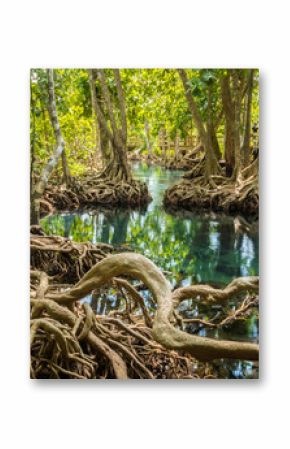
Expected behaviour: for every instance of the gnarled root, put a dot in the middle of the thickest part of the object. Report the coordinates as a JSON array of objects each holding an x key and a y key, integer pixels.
[
  {"x": 164, "y": 332},
  {"x": 222, "y": 195},
  {"x": 74, "y": 343},
  {"x": 93, "y": 190},
  {"x": 65, "y": 260}
]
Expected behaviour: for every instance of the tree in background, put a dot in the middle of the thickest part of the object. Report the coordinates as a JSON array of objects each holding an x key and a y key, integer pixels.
[
  {"x": 115, "y": 127},
  {"x": 220, "y": 99},
  {"x": 204, "y": 122},
  {"x": 38, "y": 188}
]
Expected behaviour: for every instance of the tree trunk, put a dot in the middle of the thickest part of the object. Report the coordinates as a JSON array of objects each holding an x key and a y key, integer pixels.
[
  {"x": 211, "y": 162},
  {"x": 104, "y": 146},
  {"x": 56, "y": 128},
  {"x": 228, "y": 107},
  {"x": 247, "y": 136},
  {"x": 214, "y": 142},
  {"x": 65, "y": 169},
  {"x": 117, "y": 168},
  {"x": 39, "y": 188},
  {"x": 229, "y": 142},
  {"x": 237, "y": 117},
  {"x": 103, "y": 141}
]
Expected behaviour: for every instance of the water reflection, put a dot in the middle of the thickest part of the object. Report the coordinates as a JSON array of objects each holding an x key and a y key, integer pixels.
[{"x": 192, "y": 247}]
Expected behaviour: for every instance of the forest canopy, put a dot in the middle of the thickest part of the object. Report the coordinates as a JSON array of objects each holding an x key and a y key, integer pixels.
[{"x": 155, "y": 96}]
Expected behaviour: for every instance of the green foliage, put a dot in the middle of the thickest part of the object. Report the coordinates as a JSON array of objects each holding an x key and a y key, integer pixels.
[
  {"x": 74, "y": 110},
  {"x": 152, "y": 95}
]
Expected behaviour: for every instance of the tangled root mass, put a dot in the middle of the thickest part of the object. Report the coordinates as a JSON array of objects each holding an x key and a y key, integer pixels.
[
  {"x": 92, "y": 191},
  {"x": 68, "y": 340}
]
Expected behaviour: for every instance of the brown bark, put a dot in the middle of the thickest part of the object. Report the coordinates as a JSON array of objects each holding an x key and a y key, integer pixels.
[
  {"x": 211, "y": 129},
  {"x": 229, "y": 143},
  {"x": 211, "y": 162},
  {"x": 214, "y": 141},
  {"x": 139, "y": 267},
  {"x": 65, "y": 169},
  {"x": 122, "y": 107},
  {"x": 103, "y": 141},
  {"x": 237, "y": 94},
  {"x": 248, "y": 110},
  {"x": 228, "y": 107},
  {"x": 233, "y": 88},
  {"x": 117, "y": 168}
]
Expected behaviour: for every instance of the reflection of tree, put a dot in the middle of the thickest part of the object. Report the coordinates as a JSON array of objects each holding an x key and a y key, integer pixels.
[
  {"x": 120, "y": 228},
  {"x": 227, "y": 247},
  {"x": 105, "y": 235},
  {"x": 68, "y": 220},
  {"x": 199, "y": 248}
]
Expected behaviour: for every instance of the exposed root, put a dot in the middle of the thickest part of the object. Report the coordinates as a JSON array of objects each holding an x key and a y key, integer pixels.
[
  {"x": 63, "y": 259},
  {"x": 241, "y": 313},
  {"x": 222, "y": 195},
  {"x": 77, "y": 344},
  {"x": 68, "y": 338},
  {"x": 184, "y": 160},
  {"x": 91, "y": 191}
]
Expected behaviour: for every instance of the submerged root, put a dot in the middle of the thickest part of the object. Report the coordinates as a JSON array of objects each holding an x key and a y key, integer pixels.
[
  {"x": 68, "y": 340},
  {"x": 93, "y": 190}
]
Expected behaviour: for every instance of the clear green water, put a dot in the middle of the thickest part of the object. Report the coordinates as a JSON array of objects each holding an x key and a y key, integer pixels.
[
  {"x": 190, "y": 246},
  {"x": 194, "y": 247}
]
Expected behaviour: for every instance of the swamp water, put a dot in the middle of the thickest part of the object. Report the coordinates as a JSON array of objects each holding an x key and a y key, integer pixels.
[{"x": 191, "y": 247}]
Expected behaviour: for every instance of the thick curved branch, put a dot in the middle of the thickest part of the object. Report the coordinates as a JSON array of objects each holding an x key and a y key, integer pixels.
[{"x": 139, "y": 267}]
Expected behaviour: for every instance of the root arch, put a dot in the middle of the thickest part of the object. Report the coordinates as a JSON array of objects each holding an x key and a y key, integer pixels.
[{"x": 139, "y": 267}]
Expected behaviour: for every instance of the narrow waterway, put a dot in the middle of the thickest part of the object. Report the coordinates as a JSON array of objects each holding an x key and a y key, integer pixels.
[
  {"x": 191, "y": 247},
  {"x": 194, "y": 247}
]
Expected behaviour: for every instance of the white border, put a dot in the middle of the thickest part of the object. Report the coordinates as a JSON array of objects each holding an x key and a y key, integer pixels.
[{"x": 144, "y": 34}]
